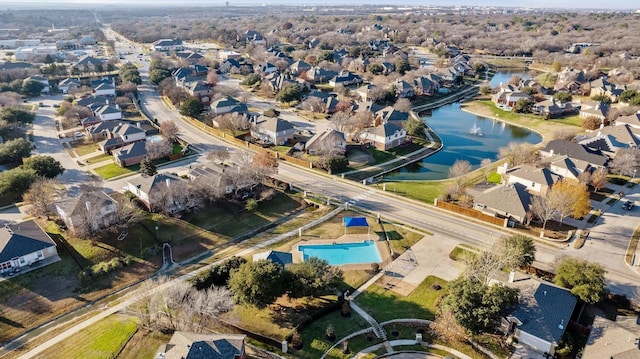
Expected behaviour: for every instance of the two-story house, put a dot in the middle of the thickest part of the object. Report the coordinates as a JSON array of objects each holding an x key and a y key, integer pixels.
[
  {"x": 96, "y": 209},
  {"x": 272, "y": 130},
  {"x": 385, "y": 136}
]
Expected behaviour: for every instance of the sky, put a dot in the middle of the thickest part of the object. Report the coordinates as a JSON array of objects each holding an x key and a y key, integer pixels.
[{"x": 561, "y": 4}]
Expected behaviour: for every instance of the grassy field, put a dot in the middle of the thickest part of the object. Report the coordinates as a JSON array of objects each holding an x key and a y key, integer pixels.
[
  {"x": 105, "y": 339},
  {"x": 143, "y": 345},
  {"x": 113, "y": 170},
  {"x": 84, "y": 147},
  {"x": 99, "y": 158},
  {"x": 424, "y": 191},
  {"x": 384, "y": 304}
]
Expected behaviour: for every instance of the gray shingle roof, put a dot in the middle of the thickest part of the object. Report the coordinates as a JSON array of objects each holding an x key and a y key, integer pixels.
[
  {"x": 146, "y": 184},
  {"x": 185, "y": 345},
  {"x": 533, "y": 174},
  {"x": 544, "y": 309},
  {"x": 131, "y": 150},
  {"x": 513, "y": 199},
  {"x": 20, "y": 239},
  {"x": 576, "y": 150},
  {"x": 274, "y": 124}
]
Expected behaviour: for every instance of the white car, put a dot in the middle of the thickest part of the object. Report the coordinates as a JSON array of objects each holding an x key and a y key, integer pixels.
[{"x": 78, "y": 134}]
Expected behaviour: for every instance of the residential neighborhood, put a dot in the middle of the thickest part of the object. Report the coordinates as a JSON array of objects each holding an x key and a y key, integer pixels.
[{"x": 319, "y": 182}]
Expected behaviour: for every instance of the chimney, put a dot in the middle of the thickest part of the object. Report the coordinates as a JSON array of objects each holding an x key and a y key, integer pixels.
[
  {"x": 88, "y": 205},
  {"x": 512, "y": 276},
  {"x": 550, "y": 152},
  {"x": 138, "y": 125},
  {"x": 168, "y": 182}
]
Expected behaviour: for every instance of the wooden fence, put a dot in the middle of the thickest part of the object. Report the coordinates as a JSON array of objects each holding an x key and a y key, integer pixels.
[{"x": 469, "y": 212}]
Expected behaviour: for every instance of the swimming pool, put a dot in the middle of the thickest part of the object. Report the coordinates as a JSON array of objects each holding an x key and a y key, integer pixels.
[{"x": 343, "y": 253}]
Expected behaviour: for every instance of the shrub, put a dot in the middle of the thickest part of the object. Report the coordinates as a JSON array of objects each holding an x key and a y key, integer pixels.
[
  {"x": 296, "y": 341},
  {"x": 330, "y": 333}
]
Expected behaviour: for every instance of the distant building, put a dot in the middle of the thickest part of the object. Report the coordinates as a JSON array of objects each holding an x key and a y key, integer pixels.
[{"x": 168, "y": 45}]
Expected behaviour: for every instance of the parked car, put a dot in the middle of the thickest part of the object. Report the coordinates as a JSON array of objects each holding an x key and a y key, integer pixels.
[{"x": 628, "y": 205}]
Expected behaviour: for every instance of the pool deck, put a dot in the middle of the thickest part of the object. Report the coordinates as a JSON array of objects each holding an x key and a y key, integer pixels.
[{"x": 383, "y": 249}]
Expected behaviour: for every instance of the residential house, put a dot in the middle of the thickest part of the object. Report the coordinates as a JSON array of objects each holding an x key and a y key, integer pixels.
[
  {"x": 364, "y": 92},
  {"x": 299, "y": 67},
  {"x": 403, "y": 89},
  {"x": 227, "y": 104},
  {"x": 631, "y": 120},
  {"x": 538, "y": 180},
  {"x": 595, "y": 109},
  {"x": 602, "y": 87},
  {"x": 274, "y": 131},
  {"x": 552, "y": 108},
  {"x": 390, "y": 114},
  {"x": 114, "y": 134},
  {"x": 265, "y": 68},
  {"x": 276, "y": 257},
  {"x": 187, "y": 345},
  {"x": 571, "y": 81},
  {"x": 611, "y": 139},
  {"x": 236, "y": 66},
  {"x": 24, "y": 244},
  {"x": 69, "y": 84},
  {"x": 189, "y": 56},
  {"x": 95, "y": 208},
  {"x": 215, "y": 174},
  {"x": 168, "y": 45},
  {"x": 131, "y": 154},
  {"x": 105, "y": 89},
  {"x": 387, "y": 67},
  {"x": 45, "y": 83},
  {"x": 511, "y": 201},
  {"x": 424, "y": 86},
  {"x": 385, "y": 136},
  {"x": 198, "y": 88},
  {"x": 327, "y": 142},
  {"x": 93, "y": 102},
  {"x": 575, "y": 151},
  {"x": 541, "y": 316},
  {"x": 254, "y": 37},
  {"x": 509, "y": 95},
  {"x": 227, "y": 54},
  {"x": 318, "y": 74},
  {"x": 345, "y": 78},
  {"x": 89, "y": 64},
  {"x": 613, "y": 339},
  {"x": 567, "y": 167},
  {"x": 151, "y": 191},
  {"x": 109, "y": 113},
  {"x": 89, "y": 121}
]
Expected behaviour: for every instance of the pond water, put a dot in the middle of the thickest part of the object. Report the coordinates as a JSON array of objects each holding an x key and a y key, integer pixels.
[
  {"x": 455, "y": 128},
  {"x": 505, "y": 76}
]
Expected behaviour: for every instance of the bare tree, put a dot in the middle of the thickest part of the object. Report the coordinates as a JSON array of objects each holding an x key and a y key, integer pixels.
[
  {"x": 458, "y": 170},
  {"x": 74, "y": 114},
  {"x": 264, "y": 164},
  {"x": 341, "y": 122},
  {"x": 625, "y": 162},
  {"x": 518, "y": 153},
  {"x": 212, "y": 78},
  {"x": 403, "y": 105},
  {"x": 486, "y": 166},
  {"x": 447, "y": 328},
  {"x": 158, "y": 149},
  {"x": 170, "y": 198},
  {"x": 179, "y": 306},
  {"x": 232, "y": 122},
  {"x": 221, "y": 155},
  {"x": 42, "y": 195},
  {"x": 313, "y": 104},
  {"x": 542, "y": 209},
  {"x": 126, "y": 215},
  {"x": 569, "y": 198},
  {"x": 207, "y": 188},
  {"x": 599, "y": 178},
  {"x": 170, "y": 130}
]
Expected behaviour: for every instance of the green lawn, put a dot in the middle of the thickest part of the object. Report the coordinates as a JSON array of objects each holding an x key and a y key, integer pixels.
[
  {"x": 99, "y": 158},
  {"x": 113, "y": 170},
  {"x": 143, "y": 345},
  {"x": 281, "y": 149},
  {"x": 569, "y": 120},
  {"x": 385, "y": 304},
  {"x": 425, "y": 191},
  {"x": 461, "y": 254},
  {"x": 84, "y": 149},
  {"x": 102, "y": 340},
  {"x": 315, "y": 342},
  {"x": 177, "y": 148}
]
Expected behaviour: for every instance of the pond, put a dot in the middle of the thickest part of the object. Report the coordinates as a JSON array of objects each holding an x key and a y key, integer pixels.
[
  {"x": 455, "y": 128},
  {"x": 504, "y": 76}
]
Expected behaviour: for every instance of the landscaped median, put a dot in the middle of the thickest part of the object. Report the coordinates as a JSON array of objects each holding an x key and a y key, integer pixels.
[{"x": 630, "y": 256}]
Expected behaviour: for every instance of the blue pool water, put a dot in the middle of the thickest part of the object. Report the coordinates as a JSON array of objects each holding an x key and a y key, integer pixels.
[
  {"x": 155, "y": 138},
  {"x": 343, "y": 253}
]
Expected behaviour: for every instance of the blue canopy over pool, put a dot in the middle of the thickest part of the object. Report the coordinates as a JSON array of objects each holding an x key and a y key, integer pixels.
[{"x": 355, "y": 222}]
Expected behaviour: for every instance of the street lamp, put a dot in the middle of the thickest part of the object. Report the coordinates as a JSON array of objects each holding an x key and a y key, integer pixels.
[{"x": 157, "y": 237}]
